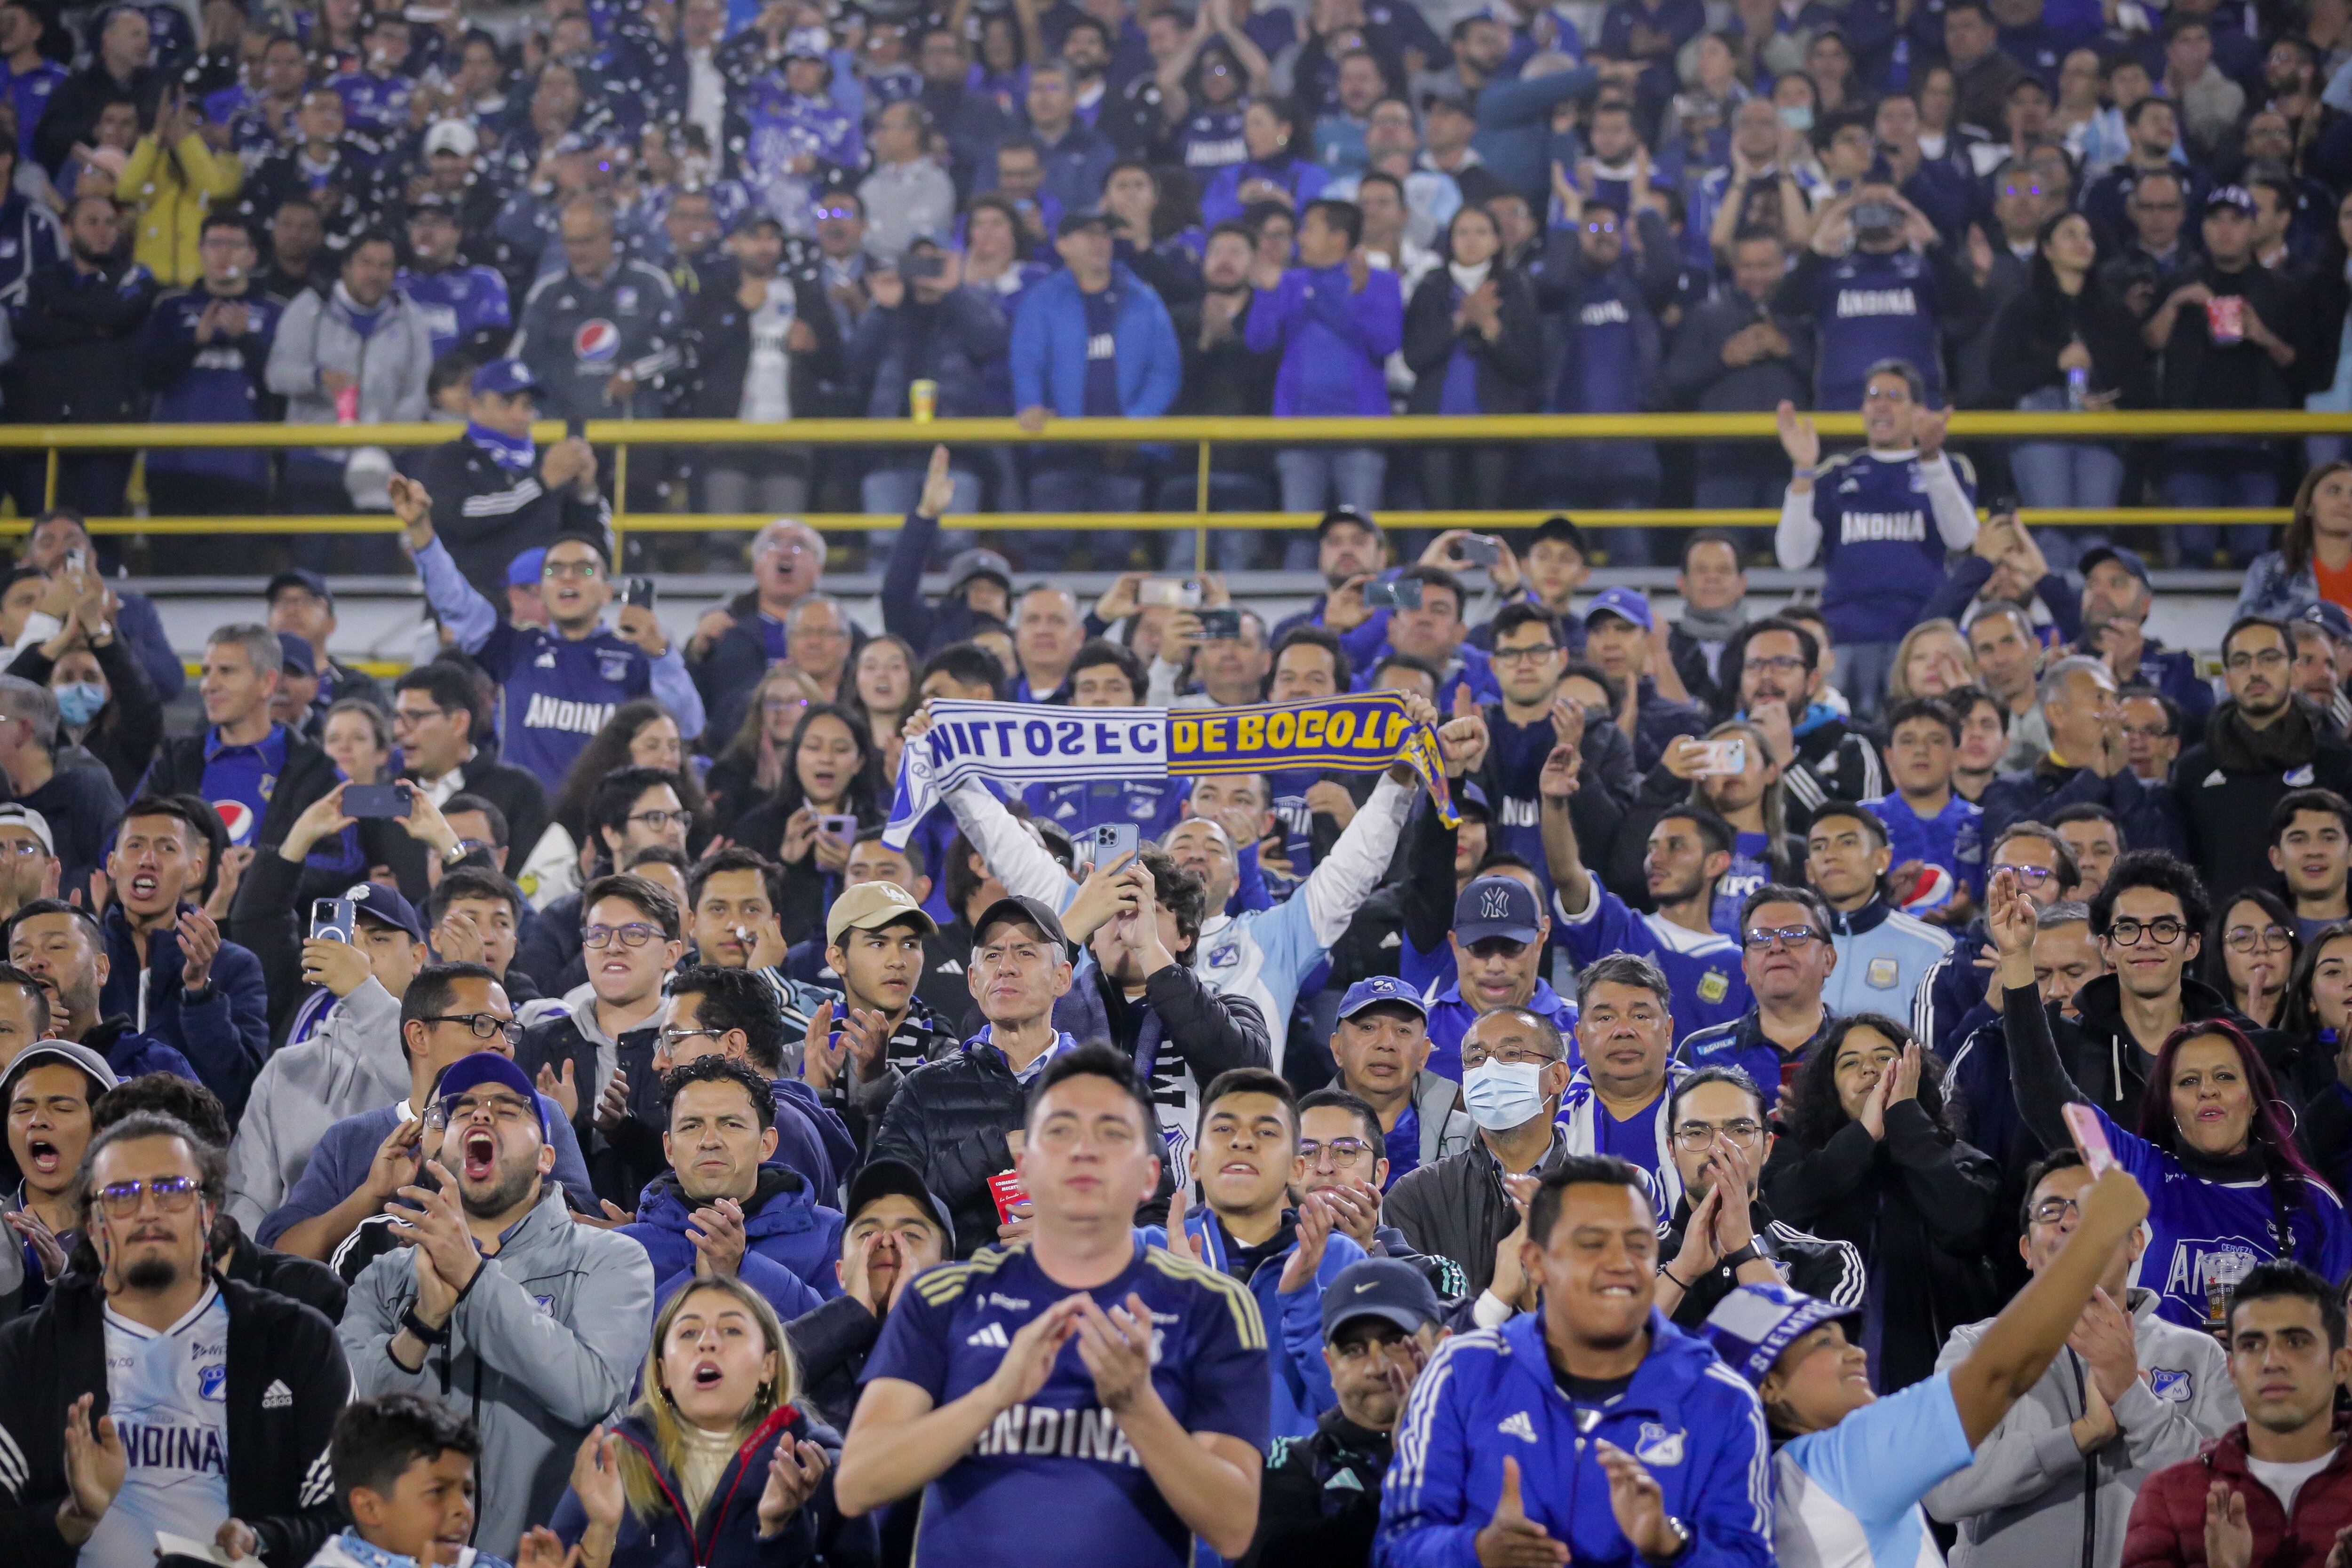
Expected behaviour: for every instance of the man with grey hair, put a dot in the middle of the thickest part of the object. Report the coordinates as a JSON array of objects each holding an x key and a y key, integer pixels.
[
  {"x": 77, "y": 806},
  {"x": 821, "y": 635},
  {"x": 907, "y": 196},
  {"x": 734, "y": 642},
  {"x": 2086, "y": 761},
  {"x": 1615, "y": 1103},
  {"x": 601, "y": 334},
  {"x": 1047, "y": 632},
  {"x": 258, "y": 774}
]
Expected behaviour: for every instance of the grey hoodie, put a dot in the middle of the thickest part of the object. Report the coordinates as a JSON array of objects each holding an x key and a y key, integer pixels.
[
  {"x": 355, "y": 1064},
  {"x": 1446, "y": 1127},
  {"x": 2020, "y": 1504},
  {"x": 545, "y": 1344},
  {"x": 390, "y": 363}
]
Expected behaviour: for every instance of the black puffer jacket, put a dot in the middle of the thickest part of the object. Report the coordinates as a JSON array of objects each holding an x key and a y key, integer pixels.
[
  {"x": 1458, "y": 1208},
  {"x": 948, "y": 1120}
]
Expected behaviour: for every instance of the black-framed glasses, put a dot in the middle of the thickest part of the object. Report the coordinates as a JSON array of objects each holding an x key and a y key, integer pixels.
[
  {"x": 1758, "y": 938},
  {"x": 1529, "y": 654},
  {"x": 172, "y": 1194},
  {"x": 636, "y": 934},
  {"x": 1509, "y": 1056},
  {"x": 2164, "y": 930},
  {"x": 2055, "y": 1210},
  {"x": 484, "y": 1025},
  {"x": 2029, "y": 876},
  {"x": 658, "y": 819},
  {"x": 2247, "y": 939},
  {"x": 1775, "y": 665},
  {"x": 1697, "y": 1135}
]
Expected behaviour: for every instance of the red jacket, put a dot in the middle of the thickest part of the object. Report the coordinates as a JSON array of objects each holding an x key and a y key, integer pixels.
[{"x": 2167, "y": 1522}]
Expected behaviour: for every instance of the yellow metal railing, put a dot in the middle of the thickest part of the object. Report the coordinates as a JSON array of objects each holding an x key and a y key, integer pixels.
[{"x": 1203, "y": 433}]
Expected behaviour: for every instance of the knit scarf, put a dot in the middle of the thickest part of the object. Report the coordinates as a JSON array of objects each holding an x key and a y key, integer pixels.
[
  {"x": 2292, "y": 741},
  {"x": 1712, "y": 625},
  {"x": 515, "y": 454}
]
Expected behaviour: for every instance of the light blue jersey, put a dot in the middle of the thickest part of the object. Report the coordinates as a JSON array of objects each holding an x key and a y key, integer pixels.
[
  {"x": 1849, "y": 1496},
  {"x": 168, "y": 1394}
]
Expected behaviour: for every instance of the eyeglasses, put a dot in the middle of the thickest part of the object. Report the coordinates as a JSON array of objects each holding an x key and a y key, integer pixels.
[
  {"x": 172, "y": 1194},
  {"x": 1776, "y": 665},
  {"x": 2055, "y": 1210},
  {"x": 1343, "y": 1151},
  {"x": 2164, "y": 930},
  {"x": 658, "y": 819},
  {"x": 401, "y": 715},
  {"x": 1694, "y": 1136},
  {"x": 2031, "y": 875},
  {"x": 23, "y": 849},
  {"x": 504, "y": 1109},
  {"x": 636, "y": 934},
  {"x": 485, "y": 1026},
  {"x": 670, "y": 1036},
  {"x": 836, "y": 213},
  {"x": 1759, "y": 938},
  {"x": 1601, "y": 227},
  {"x": 583, "y": 569},
  {"x": 2246, "y": 938},
  {"x": 1526, "y": 655},
  {"x": 2158, "y": 731},
  {"x": 1509, "y": 1056}
]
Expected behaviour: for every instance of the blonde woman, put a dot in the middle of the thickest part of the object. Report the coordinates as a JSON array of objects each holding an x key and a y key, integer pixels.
[
  {"x": 713, "y": 1466},
  {"x": 751, "y": 767},
  {"x": 1933, "y": 659}
]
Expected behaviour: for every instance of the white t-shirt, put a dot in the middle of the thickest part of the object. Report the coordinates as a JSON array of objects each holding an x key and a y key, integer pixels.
[
  {"x": 2285, "y": 1479},
  {"x": 168, "y": 1394}
]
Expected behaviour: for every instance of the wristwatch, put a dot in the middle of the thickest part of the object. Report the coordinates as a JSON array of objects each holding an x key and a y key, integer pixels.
[
  {"x": 1682, "y": 1543},
  {"x": 416, "y": 1326},
  {"x": 1748, "y": 1254}
]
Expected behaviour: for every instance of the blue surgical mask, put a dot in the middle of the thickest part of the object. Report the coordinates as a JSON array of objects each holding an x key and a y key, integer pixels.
[
  {"x": 1796, "y": 116},
  {"x": 1504, "y": 1094},
  {"x": 79, "y": 701}
]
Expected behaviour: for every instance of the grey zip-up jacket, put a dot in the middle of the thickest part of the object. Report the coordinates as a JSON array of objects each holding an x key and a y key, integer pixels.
[
  {"x": 2019, "y": 1503},
  {"x": 1446, "y": 1127},
  {"x": 353, "y": 1063},
  {"x": 390, "y": 363},
  {"x": 543, "y": 1344}
]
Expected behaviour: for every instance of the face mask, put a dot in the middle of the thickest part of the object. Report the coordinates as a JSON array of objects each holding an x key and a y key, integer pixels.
[
  {"x": 79, "y": 703},
  {"x": 1504, "y": 1094},
  {"x": 1796, "y": 116}
]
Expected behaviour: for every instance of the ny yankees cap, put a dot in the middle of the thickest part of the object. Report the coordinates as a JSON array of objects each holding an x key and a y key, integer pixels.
[
  {"x": 1751, "y": 1326},
  {"x": 385, "y": 906},
  {"x": 1496, "y": 907},
  {"x": 1381, "y": 988},
  {"x": 1389, "y": 1288}
]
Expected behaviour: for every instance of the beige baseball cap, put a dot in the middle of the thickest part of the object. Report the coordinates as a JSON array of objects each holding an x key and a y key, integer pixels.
[{"x": 871, "y": 905}]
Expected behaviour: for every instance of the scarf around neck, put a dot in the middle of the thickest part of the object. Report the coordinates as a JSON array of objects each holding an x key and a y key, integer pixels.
[
  {"x": 1712, "y": 625},
  {"x": 515, "y": 454},
  {"x": 2239, "y": 748},
  {"x": 1468, "y": 278}
]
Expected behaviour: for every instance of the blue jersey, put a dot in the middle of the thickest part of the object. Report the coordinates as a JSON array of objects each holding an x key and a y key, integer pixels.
[
  {"x": 2191, "y": 1221},
  {"x": 1749, "y": 870},
  {"x": 28, "y": 95},
  {"x": 1702, "y": 968},
  {"x": 1953, "y": 838},
  {"x": 1881, "y": 555},
  {"x": 459, "y": 303},
  {"x": 786, "y": 127},
  {"x": 556, "y": 693},
  {"x": 1450, "y": 1017},
  {"x": 376, "y": 107},
  {"x": 1742, "y": 1043},
  {"x": 1870, "y": 308},
  {"x": 1212, "y": 139},
  {"x": 1054, "y": 1480},
  {"x": 239, "y": 780},
  {"x": 1516, "y": 754},
  {"x": 1848, "y": 1496},
  {"x": 221, "y": 385},
  {"x": 1154, "y": 805}
]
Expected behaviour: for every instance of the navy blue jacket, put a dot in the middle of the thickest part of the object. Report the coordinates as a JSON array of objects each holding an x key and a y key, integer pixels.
[
  {"x": 219, "y": 382},
  {"x": 224, "y": 1032},
  {"x": 791, "y": 1240}
]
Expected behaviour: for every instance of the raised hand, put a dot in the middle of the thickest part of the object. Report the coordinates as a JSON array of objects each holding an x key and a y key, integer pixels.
[
  {"x": 1117, "y": 1349},
  {"x": 436, "y": 1225},
  {"x": 542, "y": 1548},
  {"x": 1316, "y": 1216},
  {"x": 1181, "y": 1240},
  {"x": 792, "y": 1476},
  {"x": 1873, "y": 1104},
  {"x": 938, "y": 494},
  {"x": 559, "y": 1088},
  {"x": 2229, "y": 1538},
  {"x": 1905, "y": 1083},
  {"x": 2105, "y": 1339},
  {"x": 1562, "y": 773},
  {"x": 1635, "y": 1498},
  {"x": 44, "y": 1241},
  {"x": 2010, "y": 915},
  {"x": 596, "y": 1479},
  {"x": 716, "y": 1233},
  {"x": 1029, "y": 1359},
  {"x": 1512, "y": 1540},
  {"x": 95, "y": 1461},
  {"x": 200, "y": 944},
  {"x": 613, "y": 1109},
  {"x": 1798, "y": 439}
]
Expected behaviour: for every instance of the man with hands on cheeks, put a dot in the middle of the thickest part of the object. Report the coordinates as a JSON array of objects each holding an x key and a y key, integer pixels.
[
  {"x": 974, "y": 1398},
  {"x": 896, "y": 1229},
  {"x": 1340, "y": 1151},
  {"x": 461, "y": 1305},
  {"x": 1502, "y": 1427}
]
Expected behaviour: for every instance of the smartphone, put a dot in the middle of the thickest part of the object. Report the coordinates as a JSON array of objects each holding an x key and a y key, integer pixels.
[
  {"x": 1479, "y": 550},
  {"x": 1396, "y": 593},
  {"x": 1722, "y": 759},
  {"x": 842, "y": 827},
  {"x": 2089, "y": 1136},
  {"x": 365, "y": 801},
  {"x": 1103, "y": 845},
  {"x": 331, "y": 919},
  {"x": 923, "y": 268},
  {"x": 640, "y": 593},
  {"x": 77, "y": 559},
  {"x": 1222, "y": 624},
  {"x": 1160, "y": 593},
  {"x": 1007, "y": 1189}
]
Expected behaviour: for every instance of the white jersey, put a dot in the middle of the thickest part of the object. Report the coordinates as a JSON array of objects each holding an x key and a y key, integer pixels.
[{"x": 168, "y": 1394}]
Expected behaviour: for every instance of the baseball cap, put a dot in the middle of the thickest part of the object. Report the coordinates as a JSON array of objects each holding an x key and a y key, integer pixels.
[
  {"x": 1379, "y": 989},
  {"x": 469, "y": 1072},
  {"x": 808, "y": 44},
  {"x": 1389, "y": 1288},
  {"x": 452, "y": 136},
  {"x": 1628, "y": 604},
  {"x": 1470, "y": 795},
  {"x": 441, "y": 206},
  {"x": 1456, "y": 102},
  {"x": 757, "y": 217},
  {"x": 385, "y": 907},
  {"x": 1081, "y": 218},
  {"x": 524, "y": 571},
  {"x": 1029, "y": 910},
  {"x": 1355, "y": 515},
  {"x": 504, "y": 377},
  {"x": 889, "y": 1177},
  {"x": 972, "y": 563},
  {"x": 1496, "y": 907},
  {"x": 297, "y": 654},
  {"x": 2327, "y": 615},
  {"x": 1561, "y": 527},
  {"x": 2233, "y": 196},
  {"x": 1751, "y": 1326},
  {"x": 2128, "y": 559},
  {"x": 300, "y": 577},
  {"x": 871, "y": 905},
  {"x": 65, "y": 1054},
  {"x": 17, "y": 814}
]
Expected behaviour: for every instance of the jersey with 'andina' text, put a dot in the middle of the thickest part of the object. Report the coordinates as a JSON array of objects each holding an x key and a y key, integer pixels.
[{"x": 1054, "y": 1479}]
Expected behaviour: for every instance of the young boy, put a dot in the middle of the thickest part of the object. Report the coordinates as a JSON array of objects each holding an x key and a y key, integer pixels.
[{"x": 403, "y": 1467}]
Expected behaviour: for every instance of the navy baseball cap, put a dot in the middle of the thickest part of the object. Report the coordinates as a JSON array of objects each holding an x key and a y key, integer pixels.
[
  {"x": 385, "y": 906},
  {"x": 2128, "y": 559},
  {"x": 1381, "y": 988},
  {"x": 886, "y": 1177},
  {"x": 1751, "y": 1326},
  {"x": 300, "y": 577},
  {"x": 1628, "y": 604},
  {"x": 1389, "y": 1288},
  {"x": 1028, "y": 911},
  {"x": 297, "y": 654},
  {"x": 525, "y": 570},
  {"x": 1470, "y": 795},
  {"x": 1496, "y": 907},
  {"x": 469, "y": 1072},
  {"x": 504, "y": 377},
  {"x": 2237, "y": 198},
  {"x": 972, "y": 564},
  {"x": 2330, "y": 618},
  {"x": 1081, "y": 218},
  {"x": 1339, "y": 515}
]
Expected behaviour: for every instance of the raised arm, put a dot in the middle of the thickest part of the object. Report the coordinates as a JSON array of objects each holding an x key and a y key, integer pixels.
[
  {"x": 2037, "y": 1077},
  {"x": 463, "y": 610}
]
